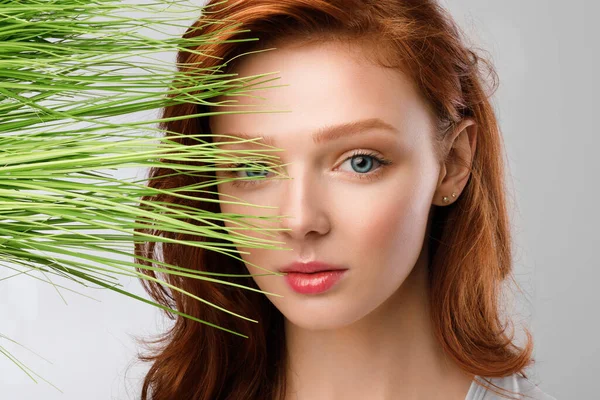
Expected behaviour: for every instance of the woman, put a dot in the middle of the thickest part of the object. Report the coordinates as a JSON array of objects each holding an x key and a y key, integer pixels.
[{"x": 395, "y": 160}]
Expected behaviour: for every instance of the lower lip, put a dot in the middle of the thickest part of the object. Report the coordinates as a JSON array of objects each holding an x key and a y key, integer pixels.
[{"x": 318, "y": 282}]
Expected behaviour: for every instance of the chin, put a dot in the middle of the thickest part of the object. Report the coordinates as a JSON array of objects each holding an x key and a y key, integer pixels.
[{"x": 318, "y": 315}]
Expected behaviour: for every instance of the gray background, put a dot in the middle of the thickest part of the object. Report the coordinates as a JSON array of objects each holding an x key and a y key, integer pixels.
[{"x": 546, "y": 54}]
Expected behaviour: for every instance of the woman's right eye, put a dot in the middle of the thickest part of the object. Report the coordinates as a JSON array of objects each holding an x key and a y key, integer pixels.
[{"x": 245, "y": 182}]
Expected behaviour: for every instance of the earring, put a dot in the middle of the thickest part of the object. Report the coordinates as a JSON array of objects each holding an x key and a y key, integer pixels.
[{"x": 446, "y": 200}]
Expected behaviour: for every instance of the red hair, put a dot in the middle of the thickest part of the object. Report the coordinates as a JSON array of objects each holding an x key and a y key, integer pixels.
[{"x": 470, "y": 242}]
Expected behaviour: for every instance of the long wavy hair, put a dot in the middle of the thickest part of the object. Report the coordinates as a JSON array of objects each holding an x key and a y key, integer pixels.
[{"x": 470, "y": 242}]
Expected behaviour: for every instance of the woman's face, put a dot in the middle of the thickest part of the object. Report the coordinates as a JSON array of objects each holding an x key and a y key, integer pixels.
[{"x": 360, "y": 213}]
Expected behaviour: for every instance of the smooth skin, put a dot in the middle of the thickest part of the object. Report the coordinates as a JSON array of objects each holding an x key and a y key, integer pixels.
[{"x": 370, "y": 336}]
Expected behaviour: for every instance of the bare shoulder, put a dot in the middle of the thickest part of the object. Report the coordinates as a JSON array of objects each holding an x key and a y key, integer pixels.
[{"x": 519, "y": 384}]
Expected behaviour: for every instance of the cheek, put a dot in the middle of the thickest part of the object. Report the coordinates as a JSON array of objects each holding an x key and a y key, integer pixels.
[
  {"x": 387, "y": 228},
  {"x": 394, "y": 225},
  {"x": 249, "y": 217}
]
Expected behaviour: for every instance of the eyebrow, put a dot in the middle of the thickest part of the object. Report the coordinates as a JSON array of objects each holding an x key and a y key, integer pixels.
[{"x": 325, "y": 134}]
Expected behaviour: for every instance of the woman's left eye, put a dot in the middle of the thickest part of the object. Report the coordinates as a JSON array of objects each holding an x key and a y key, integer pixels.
[{"x": 362, "y": 163}]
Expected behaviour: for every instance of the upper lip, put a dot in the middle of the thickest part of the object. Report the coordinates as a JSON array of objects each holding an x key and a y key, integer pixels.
[{"x": 310, "y": 267}]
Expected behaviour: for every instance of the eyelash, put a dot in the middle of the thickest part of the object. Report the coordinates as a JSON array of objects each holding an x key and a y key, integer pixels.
[{"x": 360, "y": 153}]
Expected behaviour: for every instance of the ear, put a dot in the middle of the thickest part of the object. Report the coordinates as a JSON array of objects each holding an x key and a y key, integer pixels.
[{"x": 456, "y": 168}]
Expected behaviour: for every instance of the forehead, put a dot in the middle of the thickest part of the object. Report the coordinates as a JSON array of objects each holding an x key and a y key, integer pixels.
[{"x": 324, "y": 85}]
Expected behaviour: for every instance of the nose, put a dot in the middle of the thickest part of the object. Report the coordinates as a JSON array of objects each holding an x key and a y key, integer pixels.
[{"x": 304, "y": 203}]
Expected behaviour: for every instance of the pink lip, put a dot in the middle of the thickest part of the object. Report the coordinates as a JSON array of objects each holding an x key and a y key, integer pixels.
[
  {"x": 313, "y": 283},
  {"x": 310, "y": 267},
  {"x": 312, "y": 277}
]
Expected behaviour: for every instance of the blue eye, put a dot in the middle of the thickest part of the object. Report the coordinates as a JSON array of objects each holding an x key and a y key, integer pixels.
[
  {"x": 251, "y": 174},
  {"x": 362, "y": 162}
]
